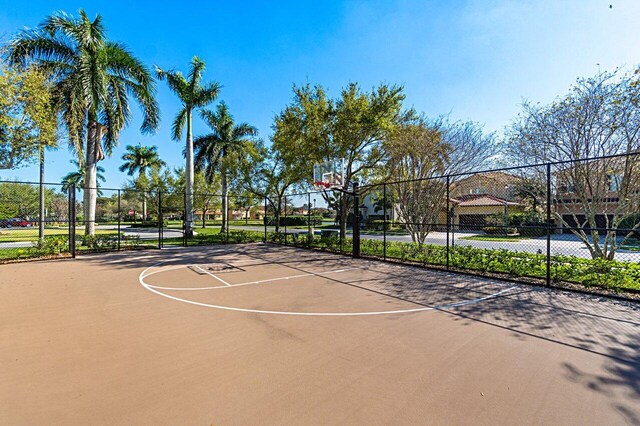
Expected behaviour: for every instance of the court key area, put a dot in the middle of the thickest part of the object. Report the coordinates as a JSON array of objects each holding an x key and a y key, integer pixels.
[{"x": 268, "y": 334}]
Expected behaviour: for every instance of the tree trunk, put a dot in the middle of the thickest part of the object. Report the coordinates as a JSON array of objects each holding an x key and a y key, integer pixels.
[
  {"x": 90, "y": 179},
  {"x": 144, "y": 206},
  {"x": 189, "y": 181},
  {"x": 276, "y": 214},
  {"x": 42, "y": 210},
  {"x": 225, "y": 201}
]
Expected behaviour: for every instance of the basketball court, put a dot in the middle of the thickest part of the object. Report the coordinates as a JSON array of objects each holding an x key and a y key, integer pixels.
[{"x": 268, "y": 334}]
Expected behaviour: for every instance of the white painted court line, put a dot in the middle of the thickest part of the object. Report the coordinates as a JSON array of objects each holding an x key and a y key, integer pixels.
[
  {"x": 318, "y": 274},
  {"x": 319, "y": 314},
  {"x": 212, "y": 275}
]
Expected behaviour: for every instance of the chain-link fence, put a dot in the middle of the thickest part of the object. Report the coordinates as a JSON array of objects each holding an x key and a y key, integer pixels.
[
  {"x": 34, "y": 220},
  {"x": 573, "y": 223}
]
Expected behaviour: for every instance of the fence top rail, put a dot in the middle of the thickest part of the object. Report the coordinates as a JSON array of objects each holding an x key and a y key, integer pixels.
[
  {"x": 502, "y": 169},
  {"x": 32, "y": 183},
  {"x": 362, "y": 188}
]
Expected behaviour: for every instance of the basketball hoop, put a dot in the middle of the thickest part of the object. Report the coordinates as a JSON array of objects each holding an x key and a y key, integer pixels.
[{"x": 328, "y": 175}]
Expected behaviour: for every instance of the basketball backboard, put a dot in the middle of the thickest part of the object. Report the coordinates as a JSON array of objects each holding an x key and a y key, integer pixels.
[{"x": 328, "y": 174}]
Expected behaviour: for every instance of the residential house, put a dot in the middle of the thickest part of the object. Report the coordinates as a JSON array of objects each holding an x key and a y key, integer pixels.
[{"x": 600, "y": 188}]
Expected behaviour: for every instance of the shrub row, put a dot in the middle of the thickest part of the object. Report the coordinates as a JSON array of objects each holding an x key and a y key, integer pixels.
[{"x": 613, "y": 275}]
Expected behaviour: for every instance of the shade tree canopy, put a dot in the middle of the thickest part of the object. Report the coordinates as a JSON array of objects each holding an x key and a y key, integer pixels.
[
  {"x": 27, "y": 115},
  {"x": 598, "y": 117}
]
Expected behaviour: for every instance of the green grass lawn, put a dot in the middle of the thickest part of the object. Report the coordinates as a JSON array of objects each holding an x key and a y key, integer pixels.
[
  {"x": 489, "y": 237},
  {"x": 31, "y": 234}
]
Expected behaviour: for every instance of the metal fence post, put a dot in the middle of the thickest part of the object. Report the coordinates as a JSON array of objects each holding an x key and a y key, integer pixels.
[
  {"x": 72, "y": 220},
  {"x": 448, "y": 221},
  {"x": 160, "y": 220},
  {"x": 265, "y": 219},
  {"x": 184, "y": 220},
  {"x": 226, "y": 223},
  {"x": 309, "y": 234},
  {"x": 285, "y": 220},
  {"x": 548, "y": 224},
  {"x": 356, "y": 221},
  {"x": 119, "y": 219},
  {"x": 342, "y": 206},
  {"x": 384, "y": 224}
]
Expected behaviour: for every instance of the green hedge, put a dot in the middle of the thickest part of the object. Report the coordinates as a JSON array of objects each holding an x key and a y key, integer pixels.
[
  {"x": 610, "y": 274},
  {"x": 377, "y": 225}
]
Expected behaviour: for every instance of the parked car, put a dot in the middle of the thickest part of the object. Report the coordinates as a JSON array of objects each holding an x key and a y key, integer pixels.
[{"x": 14, "y": 222}]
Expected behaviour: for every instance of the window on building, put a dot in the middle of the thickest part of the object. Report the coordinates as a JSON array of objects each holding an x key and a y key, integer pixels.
[
  {"x": 478, "y": 190},
  {"x": 615, "y": 182}
]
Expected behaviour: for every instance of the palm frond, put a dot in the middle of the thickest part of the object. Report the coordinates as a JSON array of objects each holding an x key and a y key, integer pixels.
[
  {"x": 34, "y": 46},
  {"x": 178, "y": 124},
  {"x": 176, "y": 82},
  {"x": 207, "y": 94},
  {"x": 244, "y": 130},
  {"x": 195, "y": 73},
  {"x": 137, "y": 79}
]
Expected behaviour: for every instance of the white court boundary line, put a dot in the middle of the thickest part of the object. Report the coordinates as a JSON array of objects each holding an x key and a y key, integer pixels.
[
  {"x": 318, "y": 274},
  {"x": 212, "y": 275},
  {"x": 150, "y": 288}
]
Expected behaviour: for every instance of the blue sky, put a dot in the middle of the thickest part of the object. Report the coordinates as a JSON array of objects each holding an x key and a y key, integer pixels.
[{"x": 476, "y": 60}]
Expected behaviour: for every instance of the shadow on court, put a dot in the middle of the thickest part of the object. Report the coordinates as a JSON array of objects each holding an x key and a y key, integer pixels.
[{"x": 589, "y": 323}]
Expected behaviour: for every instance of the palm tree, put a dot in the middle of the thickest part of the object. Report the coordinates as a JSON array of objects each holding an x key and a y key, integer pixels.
[
  {"x": 92, "y": 80},
  {"x": 77, "y": 178},
  {"x": 139, "y": 159},
  {"x": 213, "y": 149},
  {"x": 192, "y": 94}
]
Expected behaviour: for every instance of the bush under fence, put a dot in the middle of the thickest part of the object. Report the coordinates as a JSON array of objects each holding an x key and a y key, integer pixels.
[{"x": 609, "y": 274}]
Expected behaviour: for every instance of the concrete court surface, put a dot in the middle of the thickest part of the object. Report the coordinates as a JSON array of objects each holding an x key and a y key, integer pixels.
[{"x": 263, "y": 334}]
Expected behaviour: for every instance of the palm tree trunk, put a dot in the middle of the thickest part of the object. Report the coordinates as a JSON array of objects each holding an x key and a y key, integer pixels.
[
  {"x": 90, "y": 179},
  {"x": 144, "y": 206},
  {"x": 189, "y": 180},
  {"x": 42, "y": 212},
  {"x": 225, "y": 201}
]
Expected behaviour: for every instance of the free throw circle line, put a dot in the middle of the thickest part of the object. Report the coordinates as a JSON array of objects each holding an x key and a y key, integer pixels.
[
  {"x": 318, "y": 274},
  {"x": 318, "y": 314}
]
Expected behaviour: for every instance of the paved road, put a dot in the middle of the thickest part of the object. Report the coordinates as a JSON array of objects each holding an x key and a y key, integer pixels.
[
  {"x": 142, "y": 233},
  {"x": 565, "y": 244}
]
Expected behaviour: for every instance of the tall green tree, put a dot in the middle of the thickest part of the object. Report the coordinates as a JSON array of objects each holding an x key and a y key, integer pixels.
[
  {"x": 193, "y": 94},
  {"x": 140, "y": 159},
  {"x": 598, "y": 117},
  {"x": 315, "y": 128},
  {"x": 27, "y": 117},
  {"x": 269, "y": 177},
  {"x": 217, "y": 150},
  {"x": 28, "y": 122},
  {"x": 93, "y": 79}
]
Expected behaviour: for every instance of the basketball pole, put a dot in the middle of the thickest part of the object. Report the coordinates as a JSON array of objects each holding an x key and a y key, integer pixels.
[{"x": 356, "y": 221}]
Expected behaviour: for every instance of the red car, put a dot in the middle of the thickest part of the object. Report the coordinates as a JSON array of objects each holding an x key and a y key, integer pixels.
[{"x": 15, "y": 222}]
